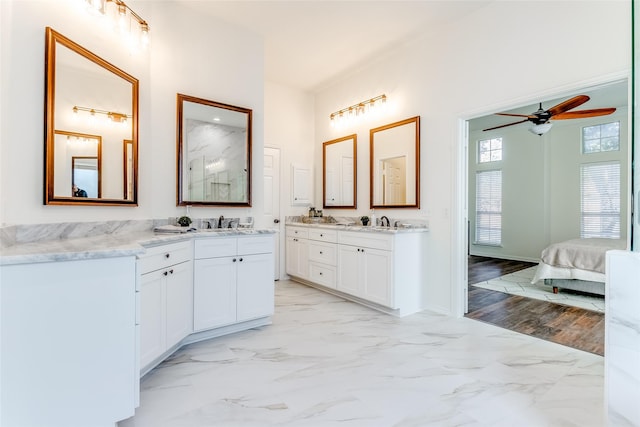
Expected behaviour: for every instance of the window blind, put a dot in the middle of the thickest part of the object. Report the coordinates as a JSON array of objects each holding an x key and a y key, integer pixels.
[
  {"x": 489, "y": 207},
  {"x": 600, "y": 200}
]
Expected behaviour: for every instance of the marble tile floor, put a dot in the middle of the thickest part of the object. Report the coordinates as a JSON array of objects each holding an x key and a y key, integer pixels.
[
  {"x": 326, "y": 362},
  {"x": 519, "y": 283}
]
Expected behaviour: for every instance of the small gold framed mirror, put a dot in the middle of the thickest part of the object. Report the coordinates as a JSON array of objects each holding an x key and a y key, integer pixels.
[
  {"x": 394, "y": 165},
  {"x": 339, "y": 173}
]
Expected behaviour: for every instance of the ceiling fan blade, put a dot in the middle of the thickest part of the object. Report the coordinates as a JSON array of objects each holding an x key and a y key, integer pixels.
[
  {"x": 508, "y": 124},
  {"x": 568, "y": 105},
  {"x": 583, "y": 114},
  {"x": 516, "y": 115}
]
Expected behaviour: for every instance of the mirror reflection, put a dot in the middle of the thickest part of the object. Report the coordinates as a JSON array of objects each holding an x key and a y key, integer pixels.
[
  {"x": 339, "y": 160},
  {"x": 214, "y": 153},
  {"x": 395, "y": 165},
  {"x": 90, "y": 113},
  {"x": 80, "y": 154}
]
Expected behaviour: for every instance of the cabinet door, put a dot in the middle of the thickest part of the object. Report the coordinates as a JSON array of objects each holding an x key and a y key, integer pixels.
[
  {"x": 214, "y": 292},
  {"x": 297, "y": 261},
  {"x": 255, "y": 286},
  {"x": 300, "y": 185},
  {"x": 376, "y": 276},
  {"x": 179, "y": 303},
  {"x": 152, "y": 326},
  {"x": 349, "y": 269}
]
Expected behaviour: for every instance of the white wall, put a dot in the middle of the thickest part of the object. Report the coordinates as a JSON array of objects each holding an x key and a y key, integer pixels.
[
  {"x": 189, "y": 53},
  {"x": 541, "y": 184},
  {"x": 289, "y": 126},
  {"x": 478, "y": 65}
]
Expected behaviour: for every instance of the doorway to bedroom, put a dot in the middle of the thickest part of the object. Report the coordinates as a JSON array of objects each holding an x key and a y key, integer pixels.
[{"x": 526, "y": 189}]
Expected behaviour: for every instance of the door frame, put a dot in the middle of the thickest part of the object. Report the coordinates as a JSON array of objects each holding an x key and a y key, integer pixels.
[{"x": 459, "y": 201}]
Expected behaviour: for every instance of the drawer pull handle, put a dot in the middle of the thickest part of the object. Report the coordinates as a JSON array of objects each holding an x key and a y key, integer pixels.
[
  {"x": 320, "y": 252},
  {"x": 321, "y": 235},
  {"x": 171, "y": 271},
  {"x": 165, "y": 273},
  {"x": 234, "y": 260},
  {"x": 240, "y": 259},
  {"x": 167, "y": 255},
  {"x": 321, "y": 273}
]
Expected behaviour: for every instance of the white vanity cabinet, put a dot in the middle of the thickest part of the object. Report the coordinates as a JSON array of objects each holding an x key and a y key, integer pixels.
[
  {"x": 297, "y": 252},
  {"x": 166, "y": 299},
  {"x": 366, "y": 267},
  {"x": 382, "y": 269},
  {"x": 68, "y": 342},
  {"x": 233, "y": 280}
]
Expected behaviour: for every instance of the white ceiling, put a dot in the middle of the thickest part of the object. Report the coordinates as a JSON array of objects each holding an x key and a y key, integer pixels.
[
  {"x": 311, "y": 43},
  {"x": 308, "y": 44}
]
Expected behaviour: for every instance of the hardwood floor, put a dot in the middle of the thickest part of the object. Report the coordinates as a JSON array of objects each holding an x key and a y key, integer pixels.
[{"x": 570, "y": 326}]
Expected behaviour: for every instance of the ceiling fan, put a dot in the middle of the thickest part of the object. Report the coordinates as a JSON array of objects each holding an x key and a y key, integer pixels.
[{"x": 541, "y": 118}]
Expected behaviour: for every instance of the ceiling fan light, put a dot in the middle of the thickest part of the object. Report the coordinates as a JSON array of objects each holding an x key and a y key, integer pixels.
[{"x": 540, "y": 129}]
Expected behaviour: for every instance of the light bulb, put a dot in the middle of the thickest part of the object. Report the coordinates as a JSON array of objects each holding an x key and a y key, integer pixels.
[
  {"x": 122, "y": 17},
  {"x": 144, "y": 34}
]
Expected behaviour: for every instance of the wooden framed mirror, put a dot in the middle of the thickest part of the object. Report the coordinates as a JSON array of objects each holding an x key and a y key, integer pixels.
[
  {"x": 214, "y": 153},
  {"x": 394, "y": 165},
  {"x": 91, "y": 110},
  {"x": 339, "y": 173}
]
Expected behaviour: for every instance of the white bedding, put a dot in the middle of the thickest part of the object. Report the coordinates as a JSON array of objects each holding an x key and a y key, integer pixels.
[
  {"x": 546, "y": 271},
  {"x": 582, "y": 259}
]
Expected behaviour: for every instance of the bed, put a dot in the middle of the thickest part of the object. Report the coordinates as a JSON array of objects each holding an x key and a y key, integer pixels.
[{"x": 577, "y": 264}]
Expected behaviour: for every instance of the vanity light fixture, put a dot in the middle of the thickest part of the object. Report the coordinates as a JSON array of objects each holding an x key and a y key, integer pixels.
[
  {"x": 111, "y": 115},
  {"x": 358, "y": 109},
  {"x": 122, "y": 15}
]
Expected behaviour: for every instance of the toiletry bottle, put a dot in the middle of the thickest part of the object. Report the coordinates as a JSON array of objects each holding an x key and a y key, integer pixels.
[{"x": 373, "y": 218}]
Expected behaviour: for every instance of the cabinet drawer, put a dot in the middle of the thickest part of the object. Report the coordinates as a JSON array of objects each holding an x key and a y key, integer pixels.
[
  {"x": 323, "y": 235},
  {"x": 322, "y": 274},
  {"x": 215, "y": 247},
  {"x": 158, "y": 257},
  {"x": 364, "y": 239},
  {"x": 256, "y": 244},
  {"x": 300, "y": 232},
  {"x": 323, "y": 252}
]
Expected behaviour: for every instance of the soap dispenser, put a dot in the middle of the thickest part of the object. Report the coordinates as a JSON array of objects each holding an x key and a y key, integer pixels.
[{"x": 373, "y": 217}]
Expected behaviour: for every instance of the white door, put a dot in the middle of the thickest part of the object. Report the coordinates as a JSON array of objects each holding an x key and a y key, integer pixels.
[
  {"x": 395, "y": 187},
  {"x": 272, "y": 201}
]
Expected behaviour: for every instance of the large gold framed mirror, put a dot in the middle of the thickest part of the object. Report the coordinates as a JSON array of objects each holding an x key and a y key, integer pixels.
[
  {"x": 214, "y": 153},
  {"x": 394, "y": 165},
  {"x": 91, "y": 111},
  {"x": 339, "y": 173}
]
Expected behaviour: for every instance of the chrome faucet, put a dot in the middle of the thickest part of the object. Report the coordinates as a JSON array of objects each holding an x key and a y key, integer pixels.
[
  {"x": 220, "y": 221},
  {"x": 382, "y": 221}
]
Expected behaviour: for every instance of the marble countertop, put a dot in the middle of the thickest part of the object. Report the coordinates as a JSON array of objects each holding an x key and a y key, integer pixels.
[
  {"x": 360, "y": 228},
  {"x": 105, "y": 245}
]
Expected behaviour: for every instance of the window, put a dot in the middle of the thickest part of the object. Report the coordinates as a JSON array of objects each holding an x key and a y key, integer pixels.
[
  {"x": 490, "y": 150},
  {"x": 599, "y": 138},
  {"x": 489, "y": 207},
  {"x": 600, "y": 200}
]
